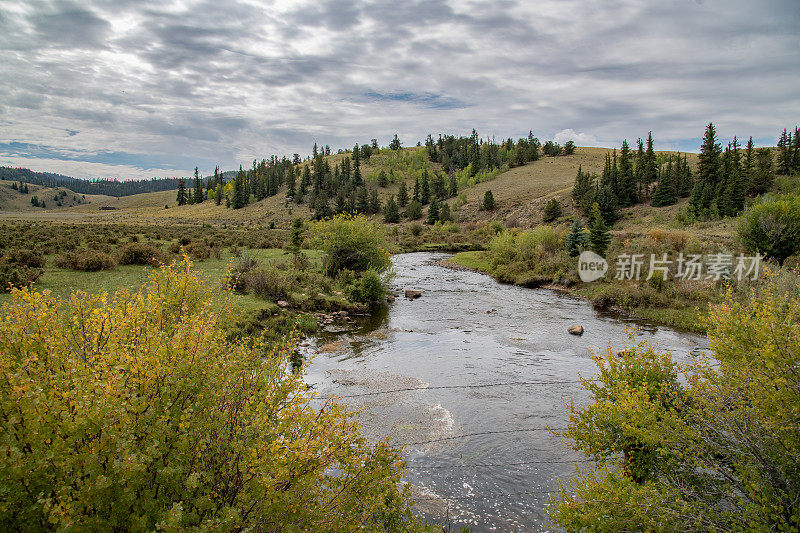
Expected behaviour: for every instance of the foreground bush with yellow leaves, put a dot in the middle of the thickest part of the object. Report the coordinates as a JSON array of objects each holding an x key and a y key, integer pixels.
[{"x": 133, "y": 412}]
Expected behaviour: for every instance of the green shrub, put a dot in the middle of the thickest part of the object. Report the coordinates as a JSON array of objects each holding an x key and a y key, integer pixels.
[
  {"x": 17, "y": 276},
  {"x": 136, "y": 253},
  {"x": 135, "y": 413},
  {"x": 772, "y": 228},
  {"x": 85, "y": 261},
  {"x": 552, "y": 210},
  {"x": 415, "y": 229},
  {"x": 367, "y": 289},
  {"x": 414, "y": 210},
  {"x": 351, "y": 242},
  {"x": 503, "y": 248},
  {"x": 24, "y": 257}
]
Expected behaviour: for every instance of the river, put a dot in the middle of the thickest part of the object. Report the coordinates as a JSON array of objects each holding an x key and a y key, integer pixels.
[{"x": 468, "y": 331}]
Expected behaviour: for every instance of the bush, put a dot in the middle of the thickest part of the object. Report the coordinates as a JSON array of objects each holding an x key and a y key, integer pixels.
[
  {"x": 24, "y": 257},
  {"x": 552, "y": 210},
  {"x": 772, "y": 228},
  {"x": 488, "y": 201},
  {"x": 367, "y": 289},
  {"x": 715, "y": 450},
  {"x": 85, "y": 261},
  {"x": 414, "y": 210},
  {"x": 135, "y": 413},
  {"x": 17, "y": 276},
  {"x": 351, "y": 242},
  {"x": 136, "y": 253}
]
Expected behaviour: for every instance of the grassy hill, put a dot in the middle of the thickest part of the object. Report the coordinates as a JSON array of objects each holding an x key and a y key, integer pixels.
[{"x": 520, "y": 194}]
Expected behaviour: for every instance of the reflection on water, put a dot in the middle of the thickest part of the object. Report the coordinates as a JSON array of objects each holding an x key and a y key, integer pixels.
[{"x": 468, "y": 330}]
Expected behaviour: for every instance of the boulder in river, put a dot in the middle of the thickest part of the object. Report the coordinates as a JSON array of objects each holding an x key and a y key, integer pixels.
[
  {"x": 412, "y": 294},
  {"x": 575, "y": 330},
  {"x": 390, "y": 298}
]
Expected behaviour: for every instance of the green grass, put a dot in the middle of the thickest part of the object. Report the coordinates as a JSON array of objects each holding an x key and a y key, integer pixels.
[
  {"x": 477, "y": 260},
  {"x": 61, "y": 282}
]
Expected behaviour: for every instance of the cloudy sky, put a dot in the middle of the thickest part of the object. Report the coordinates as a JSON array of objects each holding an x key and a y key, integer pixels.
[{"x": 138, "y": 88}]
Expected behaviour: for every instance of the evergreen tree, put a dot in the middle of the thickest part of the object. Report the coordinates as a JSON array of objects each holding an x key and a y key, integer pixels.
[
  {"x": 362, "y": 201},
  {"x": 638, "y": 171},
  {"x": 433, "y": 212},
  {"x": 391, "y": 213},
  {"x": 704, "y": 191},
  {"x": 291, "y": 182},
  {"x": 198, "y": 187},
  {"x": 217, "y": 186},
  {"x": 182, "y": 198},
  {"x": 734, "y": 192},
  {"x": 569, "y": 148},
  {"x": 665, "y": 194},
  {"x": 444, "y": 213},
  {"x": 357, "y": 181},
  {"x": 416, "y": 196},
  {"x": 650, "y": 170},
  {"x": 488, "y": 201},
  {"x": 402, "y": 194},
  {"x": 321, "y": 207},
  {"x": 395, "y": 144},
  {"x": 383, "y": 181},
  {"x": 599, "y": 236},
  {"x": 374, "y": 203},
  {"x": 453, "y": 187},
  {"x": 607, "y": 203},
  {"x": 785, "y": 158},
  {"x": 552, "y": 210},
  {"x": 626, "y": 179},
  {"x": 239, "y": 198},
  {"x": 414, "y": 210},
  {"x": 763, "y": 173},
  {"x": 425, "y": 190},
  {"x": 575, "y": 240}
]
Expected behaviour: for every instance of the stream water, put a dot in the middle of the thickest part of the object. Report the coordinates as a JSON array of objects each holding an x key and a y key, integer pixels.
[{"x": 465, "y": 332}]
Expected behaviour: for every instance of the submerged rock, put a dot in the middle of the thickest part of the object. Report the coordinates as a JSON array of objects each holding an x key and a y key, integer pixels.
[
  {"x": 575, "y": 330},
  {"x": 412, "y": 294}
]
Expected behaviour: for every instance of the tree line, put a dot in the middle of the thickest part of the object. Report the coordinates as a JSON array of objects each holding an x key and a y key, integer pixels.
[
  {"x": 718, "y": 187},
  {"x": 82, "y": 186}
]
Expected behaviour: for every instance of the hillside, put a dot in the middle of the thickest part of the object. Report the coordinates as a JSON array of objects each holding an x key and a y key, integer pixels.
[{"x": 520, "y": 194}]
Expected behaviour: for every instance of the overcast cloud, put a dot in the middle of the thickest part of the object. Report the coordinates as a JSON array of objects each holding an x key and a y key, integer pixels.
[{"x": 150, "y": 88}]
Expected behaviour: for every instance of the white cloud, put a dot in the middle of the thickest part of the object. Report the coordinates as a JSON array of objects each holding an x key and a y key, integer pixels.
[{"x": 580, "y": 139}]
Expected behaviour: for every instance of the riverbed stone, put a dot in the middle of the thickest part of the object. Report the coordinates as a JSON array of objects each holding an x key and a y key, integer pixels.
[
  {"x": 412, "y": 294},
  {"x": 575, "y": 330}
]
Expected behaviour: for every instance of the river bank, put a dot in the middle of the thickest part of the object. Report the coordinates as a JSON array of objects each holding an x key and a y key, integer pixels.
[{"x": 632, "y": 299}]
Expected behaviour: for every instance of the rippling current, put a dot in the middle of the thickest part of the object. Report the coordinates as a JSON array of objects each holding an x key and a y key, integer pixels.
[{"x": 465, "y": 331}]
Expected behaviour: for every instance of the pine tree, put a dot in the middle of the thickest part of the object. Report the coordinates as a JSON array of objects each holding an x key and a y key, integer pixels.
[
  {"x": 638, "y": 171},
  {"x": 374, "y": 203},
  {"x": 444, "y": 213},
  {"x": 362, "y": 201},
  {"x": 391, "y": 213},
  {"x": 599, "y": 236},
  {"x": 239, "y": 199},
  {"x": 626, "y": 179},
  {"x": 402, "y": 194},
  {"x": 763, "y": 173},
  {"x": 733, "y": 195},
  {"x": 198, "y": 187},
  {"x": 395, "y": 144},
  {"x": 182, "y": 198},
  {"x": 552, "y": 210},
  {"x": 291, "y": 182},
  {"x": 488, "y": 201},
  {"x": 416, "y": 196},
  {"x": 575, "y": 240},
  {"x": 217, "y": 186},
  {"x": 453, "y": 187},
  {"x": 665, "y": 194},
  {"x": 425, "y": 190},
  {"x": 383, "y": 181},
  {"x": 704, "y": 191},
  {"x": 784, "y": 153},
  {"x": 357, "y": 181},
  {"x": 607, "y": 203},
  {"x": 433, "y": 212},
  {"x": 650, "y": 164}
]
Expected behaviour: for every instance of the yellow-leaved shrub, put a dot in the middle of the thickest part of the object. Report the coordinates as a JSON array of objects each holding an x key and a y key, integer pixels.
[{"x": 133, "y": 412}]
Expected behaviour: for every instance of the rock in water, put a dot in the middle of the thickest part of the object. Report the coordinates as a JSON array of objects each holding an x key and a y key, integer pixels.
[
  {"x": 575, "y": 330},
  {"x": 413, "y": 295}
]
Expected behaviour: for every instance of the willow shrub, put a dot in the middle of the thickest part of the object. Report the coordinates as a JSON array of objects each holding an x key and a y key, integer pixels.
[
  {"x": 716, "y": 452},
  {"x": 133, "y": 412},
  {"x": 351, "y": 242}
]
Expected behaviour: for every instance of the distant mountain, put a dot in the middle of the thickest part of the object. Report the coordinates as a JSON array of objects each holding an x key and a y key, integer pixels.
[{"x": 82, "y": 186}]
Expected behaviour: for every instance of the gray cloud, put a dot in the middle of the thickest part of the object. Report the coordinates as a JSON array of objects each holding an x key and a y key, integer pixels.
[{"x": 231, "y": 81}]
